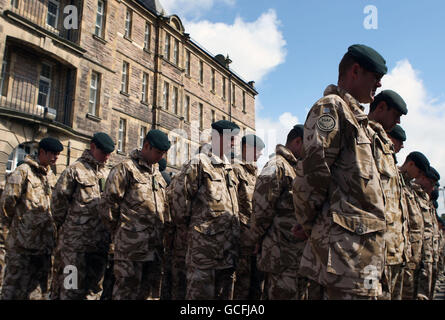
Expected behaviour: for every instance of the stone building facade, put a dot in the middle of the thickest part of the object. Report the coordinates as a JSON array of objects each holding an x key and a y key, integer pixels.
[{"x": 72, "y": 68}]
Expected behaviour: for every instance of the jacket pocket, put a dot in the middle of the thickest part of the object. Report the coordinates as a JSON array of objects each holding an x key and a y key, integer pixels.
[
  {"x": 87, "y": 191},
  {"x": 207, "y": 244},
  {"x": 355, "y": 242}
]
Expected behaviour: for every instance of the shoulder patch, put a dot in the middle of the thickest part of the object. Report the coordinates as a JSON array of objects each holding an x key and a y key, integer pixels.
[{"x": 326, "y": 122}]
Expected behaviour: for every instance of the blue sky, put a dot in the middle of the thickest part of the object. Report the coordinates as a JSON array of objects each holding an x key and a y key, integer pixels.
[{"x": 292, "y": 50}]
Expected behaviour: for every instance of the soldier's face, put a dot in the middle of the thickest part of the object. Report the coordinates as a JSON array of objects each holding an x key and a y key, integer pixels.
[
  {"x": 367, "y": 83},
  {"x": 391, "y": 118},
  {"x": 398, "y": 144},
  {"x": 154, "y": 155},
  {"x": 48, "y": 157},
  {"x": 98, "y": 154},
  {"x": 426, "y": 183}
]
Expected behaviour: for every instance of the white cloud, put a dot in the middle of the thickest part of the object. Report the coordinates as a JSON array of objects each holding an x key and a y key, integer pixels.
[
  {"x": 424, "y": 123},
  {"x": 192, "y": 8},
  {"x": 255, "y": 48},
  {"x": 273, "y": 132}
]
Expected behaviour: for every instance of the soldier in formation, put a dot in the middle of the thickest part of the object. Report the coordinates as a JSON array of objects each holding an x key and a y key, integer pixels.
[
  {"x": 331, "y": 215},
  {"x": 83, "y": 240},
  {"x": 249, "y": 280},
  {"x": 25, "y": 207}
]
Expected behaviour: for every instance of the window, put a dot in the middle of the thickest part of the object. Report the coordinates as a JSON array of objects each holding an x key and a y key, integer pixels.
[
  {"x": 213, "y": 116},
  {"x": 175, "y": 100},
  {"x": 187, "y": 63},
  {"x": 144, "y": 87},
  {"x": 147, "y": 36},
  {"x": 94, "y": 93},
  {"x": 233, "y": 95},
  {"x": 128, "y": 22},
  {"x": 173, "y": 152},
  {"x": 176, "y": 52},
  {"x": 166, "y": 94},
  {"x": 201, "y": 72},
  {"x": 15, "y": 3},
  {"x": 224, "y": 87},
  {"x": 244, "y": 101},
  {"x": 122, "y": 133},
  {"x": 201, "y": 116},
  {"x": 44, "y": 86},
  {"x": 167, "y": 47},
  {"x": 187, "y": 108},
  {"x": 186, "y": 153},
  {"x": 142, "y": 134},
  {"x": 224, "y": 117},
  {"x": 3, "y": 76},
  {"x": 98, "y": 31},
  {"x": 124, "y": 83},
  {"x": 18, "y": 154},
  {"x": 213, "y": 80},
  {"x": 52, "y": 16}
]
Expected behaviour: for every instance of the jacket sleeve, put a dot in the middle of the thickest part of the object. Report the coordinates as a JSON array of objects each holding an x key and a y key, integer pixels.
[
  {"x": 11, "y": 195},
  {"x": 181, "y": 192},
  {"x": 113, "y": 195},
  {"x": 321, "y": 146},
  {"x": 266, "y": 194},
  {"x": 62, "y": 196}
]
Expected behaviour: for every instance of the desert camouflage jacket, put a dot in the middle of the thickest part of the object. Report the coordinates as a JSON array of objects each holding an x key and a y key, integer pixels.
[
  {"x": 274, "y": 216},
  {"x": 396, "y": 235},
  {"x": 339, "y": 199},
  {"x": 247, "y": 176},
  {"x": 26, "y": 210},
  {"x": 76, "y": 202},
  {"x": 135, "y": 209},
  {"x": 204, "y": 202},
  {"x": 415, "y": 228}
]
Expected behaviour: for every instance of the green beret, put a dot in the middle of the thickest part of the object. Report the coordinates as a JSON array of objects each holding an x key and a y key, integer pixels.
[
  {"x": 162, "y": 164},
  {"x": 51, "y": 144},
  {"x": 368, "y": 58},
  {"x": 253, "y": 140},
  {"x": 432, "y": 174},
  {"x": 398, "y": 133},
  {"x": 222, "y": 125},
  {"x": 392, "y": 99},
  {"x": 158, "y": 140},
  {"x": 299, "y": 130},
  {"x": 103, "y": 141},
  {"x": 419, "y": 160}
]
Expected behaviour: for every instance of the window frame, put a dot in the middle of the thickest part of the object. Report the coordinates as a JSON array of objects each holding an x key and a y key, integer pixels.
[
  {"x": 95, "y": 110},
  {"x": 128, "y": 23},
  {"x": 101, "y": 27},
  {"x": 125, "y": 76},
  {"x": 121, "y": 135},
  {"x": 57, "y": 3}
]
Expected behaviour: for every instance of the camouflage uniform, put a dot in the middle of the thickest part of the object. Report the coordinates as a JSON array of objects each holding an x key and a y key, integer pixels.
[
  {"x": 424, "y": 276},
  {"x": 25, "y": 210},
  {"x": 135, "y": 210},
  {"x": 271, "y": 226},
  {"x": 248, "y": 278},
  {"x": 415, "y": 232},
  {"x": 339, "y": 200},
  {"x": 204, "y": 202},
  {"x": 436, "y": 239},
  {"x": 396, "y": 236},
  {"x": 83, "y": 239}
]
